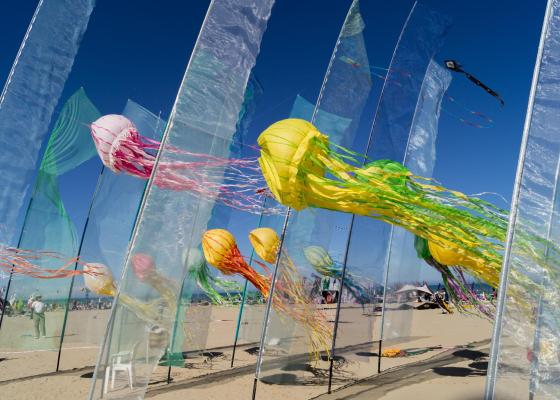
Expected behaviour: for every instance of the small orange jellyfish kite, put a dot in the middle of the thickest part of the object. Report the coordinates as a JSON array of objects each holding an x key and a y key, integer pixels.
[
  {"x": 289, "y": 298},
  {"x": 221, "y": 251}
]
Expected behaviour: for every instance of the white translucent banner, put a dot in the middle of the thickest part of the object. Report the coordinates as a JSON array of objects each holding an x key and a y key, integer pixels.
[{"x": 525, "y": 361}]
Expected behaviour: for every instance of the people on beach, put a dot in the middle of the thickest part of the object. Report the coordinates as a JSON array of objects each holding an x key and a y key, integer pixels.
[{"x": 38, "y": 314}]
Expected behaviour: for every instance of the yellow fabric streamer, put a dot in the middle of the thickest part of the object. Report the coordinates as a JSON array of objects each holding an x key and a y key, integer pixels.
[{"x": 289, "y": 296}]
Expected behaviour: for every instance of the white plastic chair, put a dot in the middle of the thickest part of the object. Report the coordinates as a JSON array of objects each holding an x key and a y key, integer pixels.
[{"x": 120, "y": 362}]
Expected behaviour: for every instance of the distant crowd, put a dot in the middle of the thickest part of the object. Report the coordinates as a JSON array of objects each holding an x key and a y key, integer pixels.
[{"x": 18, "y": 306}]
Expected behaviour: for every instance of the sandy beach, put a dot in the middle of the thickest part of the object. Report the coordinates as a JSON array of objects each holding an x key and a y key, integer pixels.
[{"x": 286, "y": 368}]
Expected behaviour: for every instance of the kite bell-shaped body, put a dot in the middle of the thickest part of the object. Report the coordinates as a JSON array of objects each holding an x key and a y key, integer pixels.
[
  {"x": 450, "y": 255},
  {"x": 318, "y": 257},
  {"x": 221, "y": 251},
  {"x": 105, "y": 132},
  {"x": 266, "y": 242},
  {"x": 287, "y": 148},
  {"x": 99, "y": 279},
  {"x": 143, "y": 266},
  {"x": 217, "y": 245}
]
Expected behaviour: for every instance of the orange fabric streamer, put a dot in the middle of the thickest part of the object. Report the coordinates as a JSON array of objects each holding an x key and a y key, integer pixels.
[
  {"x": 221, "y": 251},
  {"x": 24, "y": 262}
]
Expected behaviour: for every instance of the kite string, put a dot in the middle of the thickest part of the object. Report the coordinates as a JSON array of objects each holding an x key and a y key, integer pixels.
[{"x": 405, "y": 74}]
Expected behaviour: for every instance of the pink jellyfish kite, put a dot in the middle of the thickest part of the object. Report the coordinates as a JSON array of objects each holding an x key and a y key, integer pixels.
[{"x": 237, "y": 183}]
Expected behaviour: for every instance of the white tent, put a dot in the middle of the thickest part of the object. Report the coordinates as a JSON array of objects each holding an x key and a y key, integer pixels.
[
  {"x": 411, "y": 288},
  {"x": 406, "y": 288},
  {"x": 424, "y": 289}
]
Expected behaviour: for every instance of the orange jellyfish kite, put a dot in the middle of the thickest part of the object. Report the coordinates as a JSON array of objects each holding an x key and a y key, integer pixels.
[{"x": 289, "y": 298}]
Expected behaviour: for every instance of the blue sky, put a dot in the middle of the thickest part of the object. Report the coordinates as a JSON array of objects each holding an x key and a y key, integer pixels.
[{"x": 141, "y": 52}]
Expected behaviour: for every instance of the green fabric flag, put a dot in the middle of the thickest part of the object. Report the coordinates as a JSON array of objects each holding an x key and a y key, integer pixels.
[{"x": 47, "y": 225}]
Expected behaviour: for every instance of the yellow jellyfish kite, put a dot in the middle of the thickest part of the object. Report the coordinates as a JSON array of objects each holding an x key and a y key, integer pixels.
[
  {"x": 447, "y": 261},
  {"x": 302, "y": 169}
]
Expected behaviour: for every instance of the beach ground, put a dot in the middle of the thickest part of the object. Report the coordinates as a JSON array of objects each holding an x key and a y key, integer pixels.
[{"x": 455, "y": 363}]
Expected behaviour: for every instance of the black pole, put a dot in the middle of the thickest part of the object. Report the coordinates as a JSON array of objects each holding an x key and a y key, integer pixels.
[
  {"x": 368, "y": 146},
  {"x": 239, "y": 317},
  {"x": 6, "y": 297},
  {"x": 170, "y": 350},
  {"x": 255, "y": 382},
  {"x": 339, "y": 303},
  {"x": 379, "y": 354},
  {"x": 99, "y": 180},
  {"x": 12, "y": 270}
]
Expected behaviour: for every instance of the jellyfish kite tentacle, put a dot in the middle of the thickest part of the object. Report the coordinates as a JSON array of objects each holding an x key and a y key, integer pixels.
[
  {"x": 323, "y": 263},
  {"x": 198, "y": 271},
  {"x": 292, "y": 299},
  {"x": 236, "y": 183},
  {"x": 289, "y": 293}
]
